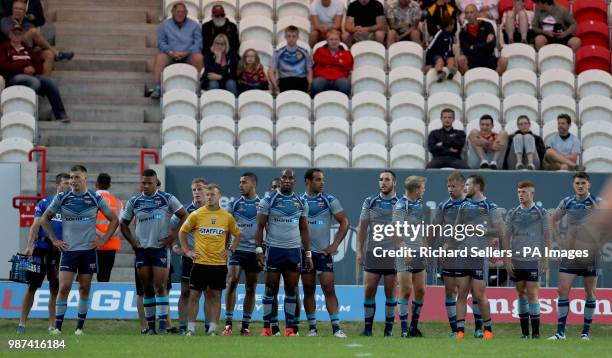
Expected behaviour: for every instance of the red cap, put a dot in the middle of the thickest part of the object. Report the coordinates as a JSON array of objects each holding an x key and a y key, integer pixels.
[{"x": 218, "y": 10}]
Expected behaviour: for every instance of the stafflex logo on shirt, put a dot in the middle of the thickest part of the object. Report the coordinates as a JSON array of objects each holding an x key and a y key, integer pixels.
[{"x": 211, "y": 231}]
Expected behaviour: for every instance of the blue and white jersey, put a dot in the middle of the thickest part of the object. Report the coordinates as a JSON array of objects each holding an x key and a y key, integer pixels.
[
  {"x": 322, "y": 209},
  {"x": 479, "y": 213},
  {"x": 175, "y": 221},
  {"x": 42, "y": 242},
  {"x": 284, "y": 213},
  {"x": 446, "y": 214},
  {"x": 577, "y": 210},
  {"x": 245, "y": 212},
  {"x": 153, "y": 215},
  {"x": 79, "y": 212},
  {"x": 378, "y": 210},
  {"x": 413, "y": 213},
  {"x": 527, "y": 227}
]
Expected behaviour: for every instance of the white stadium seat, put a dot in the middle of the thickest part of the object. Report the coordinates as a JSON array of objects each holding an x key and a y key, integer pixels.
[
  {"x": 594, "y": 82},
  {"x": 368, "y": 78},
  {"x": 218, "y": 102},
  {"x": 231, "y": 10},
  {"x": 406, "y": 79},
  {"x": 556, "y": 56},
  {"x": 265, "y": 50},
  {"x": 550, "y": 128},
  {"x": 552, "y": 106},
  {"x": 511, "y": 127},
  {"x": 405, "y": 53},
  {"x": 369, "y": 104},
  {"x": 286, "y": 8},
  {"x": 369, "y": 53},
  {"x": 595, "y": 133},
  {"x": 407, "y": 104},
  {"x": 217, "y": 153},
  {"x": 331, "y": 103},
  {"x": 217, "y": 128},
  {"x": 331, "y": 155},
  {"x": 369, "y": 130},
  {"x": 293, "y": 154},
  {"x": 331, "y": 129},
  {"x": 475, "y": 124},
  {"x": 18, "y": 125},
  {"x": 369, "y": 155},
  {"x": 437, "y": 124},
  {"x": 407, "y": 130},
  {"x": 179, "y": 127},
  {"x": 594, "y": 108},
  {"x": 14, "y": 150},
  {"x": 437, "y": 102},
  {"x": 255, "y": 103},
  {"x": 19, "y": 99},
  {"x": 302, "y": 23},
  {"x": 257, "y": 28},
  {"x": 519, "y": 104},
  {"x": 293, "y": 129},
  {"x": 255, "y": 129},
  {"x": 180, "y": 76},
  {"x": 193, "y": 8},
  {"x": 255, "y": 154},
  {"x": 518, "y": 81},
  {"x": 407, "y": 156},
  {"x": 452, "y": 86},
  {"x": 256, "y": 7},
  {"x": 480, "y": 104},
  {"x": 179, "y": 152},
  {"x": 294, "y": 104},
  {"x": 481, "y": 80},
  {"x": 556, "y": 82},
  {"x": 180, "y": 101},
  {"x": 597, "y": 159},
  {"x": 520, "y": 56}
]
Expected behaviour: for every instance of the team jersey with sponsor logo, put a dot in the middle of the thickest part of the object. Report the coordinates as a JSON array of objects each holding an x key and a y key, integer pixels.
[
  {"x": 284, "y": 213},
  {"x": 321, "y": 209},
  {"x": 578, "y": 210},
  {"x": 245, "y": 212},
  {"x": 378, "y": 210},
  {"x": 446, "y": 214},
  {"x": 482, "y": 212},
  {"x": 412, "y": 212},
  {"x": 527, "y": 228}
]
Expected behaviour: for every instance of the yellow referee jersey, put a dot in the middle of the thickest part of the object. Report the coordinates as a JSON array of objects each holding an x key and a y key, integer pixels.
[{"x": 210, "y": 232}]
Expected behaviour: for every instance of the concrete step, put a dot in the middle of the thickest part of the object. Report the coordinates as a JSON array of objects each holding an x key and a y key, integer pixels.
[
  {"x": 72, "y": 28},
  {"x": 101, "y": 164},
  {"x": 101, "y": 135},
  {"x": 122, "y": 274},
  {"x": 115, "y": 63},
  {"x": 124, "y": 259},
  {"x": 84, "y": 153},
  {"x": 101, "y": 41},
  {"x": 134, "y": 100},
  {"x": 128, "y": 4},
  {"x": 99, "y": 15},
  {"x": 104, "y": 113},
  {"x": 101, "y": 87},
  {"x": 116, "y": 76},
  {"x": 128, "y": 52},
  {"x": 124, "y": 185}
]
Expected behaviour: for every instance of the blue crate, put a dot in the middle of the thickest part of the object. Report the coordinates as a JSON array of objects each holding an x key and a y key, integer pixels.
[{"x": 23, "y": 266}]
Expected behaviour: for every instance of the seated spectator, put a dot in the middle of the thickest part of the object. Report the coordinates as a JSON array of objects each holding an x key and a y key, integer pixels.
[
  {"x": 220, "y": 67},
  {"x": 484, "y": 8},
  {"x": 251, "y": 74},
  {"x": 478, "y": 43},
  {"x": 365, "y": 20},
  {"x": 332, "y": 66},
  {"x": 445, "y": 144},
  {"x": 219, "y": 24},
  {"x": 439, "y": 54},
  {"x": 325, "y": 15},
  {"x": 516, "y": 24},
  {"x": 438, "y": 12},
  {"x": 485, "y": 147},
  {"x": 35, "y": 12},
  {"x": 403, "y": 17},
  {"x": 20, "y": 65},
  {"x": 32, "y": 35},
  {"x": 291, "y": 67},
  {"x": 562, "y": 148},
  {"x": 525, "y": 149},
  {"x": 553, "y": 24},
  {"x": 179, "y": 40}
]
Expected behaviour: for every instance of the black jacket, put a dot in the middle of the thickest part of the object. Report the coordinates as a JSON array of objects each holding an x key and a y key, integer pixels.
[
  {"x": 450, "y": 139},
  {"x": 209, "y": 32},
  {"x": 539, "y": 143},
  {"x": 211, "y": 66},
  {"x": 477, "y": 46}
]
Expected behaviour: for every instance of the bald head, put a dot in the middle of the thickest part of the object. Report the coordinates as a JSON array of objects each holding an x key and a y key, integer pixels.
[
  {"x": 287, "y": 181},
  {"x": 471, "y": 13}
]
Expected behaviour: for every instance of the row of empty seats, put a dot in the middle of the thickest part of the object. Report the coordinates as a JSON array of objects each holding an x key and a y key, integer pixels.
[{"x": 19, "y": 106}]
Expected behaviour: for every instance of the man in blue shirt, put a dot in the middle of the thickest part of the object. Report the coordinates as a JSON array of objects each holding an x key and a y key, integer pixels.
[
  {"x": 39, "y": 246},
  {"x": 179, "y": 40},
  {"x": 562, "y": 148}
]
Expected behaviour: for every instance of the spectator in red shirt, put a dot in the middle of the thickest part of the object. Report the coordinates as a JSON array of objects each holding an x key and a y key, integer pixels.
[
  {"x": 332, "y": 66},
  {"x": 251, "y": 73}
]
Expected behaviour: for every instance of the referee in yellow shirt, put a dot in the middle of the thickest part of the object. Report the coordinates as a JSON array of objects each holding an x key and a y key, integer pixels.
[{"x": 211, "y": 227}]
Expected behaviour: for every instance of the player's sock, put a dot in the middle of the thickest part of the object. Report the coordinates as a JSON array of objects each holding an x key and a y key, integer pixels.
[
  {"x": 229, "y": 318},
  {"x": 290, "y": 302},
  {"x": 183, "y": 325},
  {"x": 191, "y": 326},
  {"x": 82, "y": 313},
  {"x": 212, "y": 326},
  {"x": 451, "y": 312},
  {"x": 416, "y": 313},
  {"x": 60, "y": 311},
  {"x": 403, "y": 313},
  {"x": 267, "y": 310},
  {"x": 162, "y": 308},
  {"x": 589, "y": 309},
  {"x": 460, "y": 325},
  {"x": 149, "y": 308},
  {"x": 390, "y": 304},
  {"x": 477, "y": 315},
  {"x": 562, "y": 309},
  {"x": 534, "y": 315},
  {"x": 312, "y": 321},
  {"x": 274, "y": 324},
  {"x": 488, "y": 325},
  {"x": 206, "y": 324},
  {"x": 246, "y": 320},
  {"x": 369, "y": 309},
  {"x": 335, "y": 322},
  {"x": 523, "y": 313}
]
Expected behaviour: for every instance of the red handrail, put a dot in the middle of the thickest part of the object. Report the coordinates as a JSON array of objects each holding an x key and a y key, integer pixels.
[
  {"x": 143, "y": 154},
  {"x": 43, "y": 171}
]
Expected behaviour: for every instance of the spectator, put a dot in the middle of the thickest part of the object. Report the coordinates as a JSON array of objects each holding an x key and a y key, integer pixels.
[
  {"x": 484, "y": 8},
  {"x": 438, "y": 12},
  {"x": 478, "y": 43},
  {"x": 325, "y": 15},
  {"x": 553, "y": 24},
  {"x": 516, "y": 24},
  {"x": 562, "y": 148},
  {"x": 107, "y": 253},
  {"x": 332, "y": 66},
  {"x": 179, "y": 40},
  {"x": 446, "y": 144},
  {"x": 219, "y": 24},
  {"x": 525, "y": 149},
  {"x": 20, "y": 65},
  {"x": 35, "y": 12},
  {"x": 365, "y": 20},
  {"x": 291, "y": 67},
  {"x": 32, "y": 36},
  {"x": 440, "y": 53},
  {"x": 485, "y": 147},
  {"x": 403, "y": 17},
  {"x": 250, "y": 72},
  {"x": 220, "y": 67}
]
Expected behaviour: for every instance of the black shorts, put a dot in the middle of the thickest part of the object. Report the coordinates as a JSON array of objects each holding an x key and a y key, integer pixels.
[
  {"x": 382, "y": 272},
  {"x": 208, "y": 276},
  {"x": 320, "y": 263},
  {"x": 186, "y": 265},
  {"x": 246, "y": 260},
  {"x": 50, "y": 258},
  {"x": 431, "y": 58},
  {"x": 477, "y": 61},
  {"x": 525, "y": 271},
  {"x": 140, "y": 290},
  {"x": 293, "y": 83},
  {"x": 579, "y": 272}
]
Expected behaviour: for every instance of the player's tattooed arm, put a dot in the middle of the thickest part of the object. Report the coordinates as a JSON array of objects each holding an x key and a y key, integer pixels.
[{"x": 127, "y": 233}]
